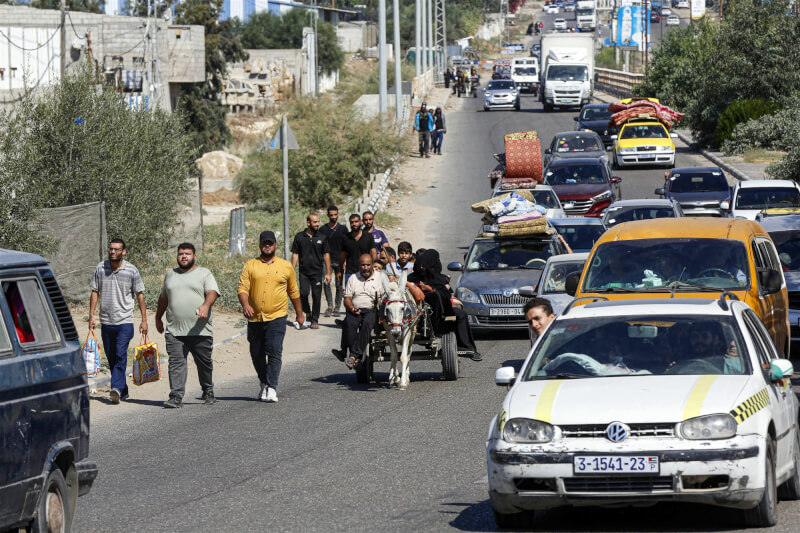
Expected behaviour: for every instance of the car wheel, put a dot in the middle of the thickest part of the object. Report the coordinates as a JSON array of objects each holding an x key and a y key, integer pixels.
[
  {"x": 449, "y": 357},
  {"x": 765, "y": 514},
  {"x": 519, "y": 520},
  {"x": 548, "y": 108},
  {"x": 790, "y": 490},
  {"x": 54, "y": 512},
  {"x": 615, "y": 165}
]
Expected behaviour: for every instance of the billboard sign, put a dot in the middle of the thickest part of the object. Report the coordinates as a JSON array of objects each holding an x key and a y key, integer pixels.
[
  {"x": 633, "y": 26},
  {"x": 698, "y": 8}
]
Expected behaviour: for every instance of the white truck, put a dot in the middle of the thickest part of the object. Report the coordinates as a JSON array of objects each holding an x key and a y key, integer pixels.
[
  {"x": 586, "y": 15},
  {"x": 567, "y": 73},
  {"x": 525, "y": 73}
]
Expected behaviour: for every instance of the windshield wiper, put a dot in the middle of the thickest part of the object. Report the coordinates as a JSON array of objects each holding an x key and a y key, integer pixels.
[
  {"x": 614, "y": 289},
  {"x": 565, "y": 376},
  {"x": 686, "y": 285}
]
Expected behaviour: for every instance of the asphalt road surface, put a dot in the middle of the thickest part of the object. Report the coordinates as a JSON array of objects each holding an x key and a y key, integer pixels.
[{"x": 336, "y": 456}]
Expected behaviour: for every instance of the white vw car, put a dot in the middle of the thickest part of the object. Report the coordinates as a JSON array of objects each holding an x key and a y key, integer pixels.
[{"x": 640, "y": 401}]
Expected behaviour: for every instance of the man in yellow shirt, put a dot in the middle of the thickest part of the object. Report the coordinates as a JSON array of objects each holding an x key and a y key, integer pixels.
[{"x": 266, "y": 285}]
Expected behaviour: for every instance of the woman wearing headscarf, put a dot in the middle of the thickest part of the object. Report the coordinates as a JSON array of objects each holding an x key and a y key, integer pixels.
[
  {"x": 428, "y": 276},
  {"x": 439, "y": 130}
]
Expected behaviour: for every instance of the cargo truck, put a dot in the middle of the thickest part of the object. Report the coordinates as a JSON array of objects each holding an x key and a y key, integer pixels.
[
  {"x": 586, "y": 15},
  {"x": 567, "y": 71}
]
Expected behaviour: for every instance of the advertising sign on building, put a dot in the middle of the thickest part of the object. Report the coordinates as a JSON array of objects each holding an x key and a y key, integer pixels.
[
  {"x": 633, "y": 26},
  {"x": 698, "y": 8}
]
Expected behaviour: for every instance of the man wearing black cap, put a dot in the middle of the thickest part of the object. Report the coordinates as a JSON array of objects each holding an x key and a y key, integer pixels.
[
  {"x": 423, "y": 123},
  {"x": 266, "y": 285}
]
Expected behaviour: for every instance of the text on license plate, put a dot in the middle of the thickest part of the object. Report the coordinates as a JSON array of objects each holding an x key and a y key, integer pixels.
[
  {"x": 504, "y": 311},
  {"x": 647, "y": 157},
  {"x": 615, "y": 464}
]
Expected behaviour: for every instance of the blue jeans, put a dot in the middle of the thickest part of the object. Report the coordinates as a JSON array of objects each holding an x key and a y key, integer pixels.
[
  {"x": 266, "y": 349},
  {"x": 115, "y": 342},
  {"x": 438, "y": 137}
]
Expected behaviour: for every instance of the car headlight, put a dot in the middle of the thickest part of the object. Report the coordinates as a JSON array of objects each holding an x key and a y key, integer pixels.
[
  {"x": 602, "y": 196},
  {"x": 527, "y": 430},
  {"x": 549, "y": 92},
  {"x": 664, "y": 148},
  {"x": 709, "y": 427},
  {"x": 627, "y": 150},
  {"x": 466, "y": 295},
  {"x": 585, "y": 92}
]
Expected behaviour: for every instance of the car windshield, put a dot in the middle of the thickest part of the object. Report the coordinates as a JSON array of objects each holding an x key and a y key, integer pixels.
[
  {"x": 500, "y": 85},
  {"x": 679, "y": 264},
  {"x": 567, "y": 73},
  {"x": 618, "y": 214},
  {"x": 763, "y": 198},
  {"x": 713, "y": 181},
  {"x": 580, "y": 237},
  {"x": 578, "y": 174},
  {"x": 595, "y": 113},
  {"x": 639, "y": 345},
  {"x": 577, "y": 143},
  {"x": 556, "y": 275},
  {"x": 525, "y": 71},
  {"x": 546, "y": 199},
  {"x": 583, "y": 12},
  {"x": 644, "y": 132},
  {"x": 505, "y": 254},
  {"x": 788, "y": 245}
]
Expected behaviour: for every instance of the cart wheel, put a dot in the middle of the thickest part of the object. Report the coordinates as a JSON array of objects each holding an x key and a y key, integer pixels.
[
  {"x": 364, "y": 370},
  {"x": 449, "y": 357}
]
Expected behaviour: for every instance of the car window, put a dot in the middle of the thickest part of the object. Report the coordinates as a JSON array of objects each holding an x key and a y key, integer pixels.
[
  {"x": 762, "y": 351},
  {"x": 546, "y": 199},
  {"x": 697, "y": 182},
  {"x": 500, "y": 85},
  {"x": 617, "y": 215},
  {"x": 639, "y": 345},
  {"x": 595, "y": 113},
  {"x": 788, "y": 244},
  {"x": 768, "y": 254},
  {"x": 33, "y": 321},
  {"x": 575, "y": 175},
  {"x": 527, "y": 71},
  {"x": 577, "y": 143},
  {"x": 767, "y": 197},
  {"x": 652, "y": 131},
  {"x": 682, "y": 264},
  {"x": 581, "y": 237},
  {"x": 556, "y": 275},
  {"x": 509, "y": 254},
  {"x": 5, "y": 342}
]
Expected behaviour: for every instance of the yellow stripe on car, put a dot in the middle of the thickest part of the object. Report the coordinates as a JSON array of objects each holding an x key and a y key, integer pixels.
[
  {"x": 697, "y": 396},
  {"x": 750, "y": 406},
  {"x": 544, "y": 407}
]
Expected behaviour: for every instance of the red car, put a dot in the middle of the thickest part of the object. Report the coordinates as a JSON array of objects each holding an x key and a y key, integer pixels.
[{"x": 584, "y": 185}]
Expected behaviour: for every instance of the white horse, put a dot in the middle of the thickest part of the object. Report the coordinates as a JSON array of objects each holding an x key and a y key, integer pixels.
[{"x": 402, "y": 316}]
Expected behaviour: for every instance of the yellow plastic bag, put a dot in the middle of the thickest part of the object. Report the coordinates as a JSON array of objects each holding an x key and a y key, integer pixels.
[{"x": 146, "y": 363}]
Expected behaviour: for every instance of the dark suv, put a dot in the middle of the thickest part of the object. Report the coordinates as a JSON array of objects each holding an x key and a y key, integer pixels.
[
  {"x": 44, "y": 400},
  {"x": 584, "y": 185},
  {"x": 595, "y": 117}
]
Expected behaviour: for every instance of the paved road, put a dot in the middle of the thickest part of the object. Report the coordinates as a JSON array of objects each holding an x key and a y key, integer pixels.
[{"x": 335, "y": 456}]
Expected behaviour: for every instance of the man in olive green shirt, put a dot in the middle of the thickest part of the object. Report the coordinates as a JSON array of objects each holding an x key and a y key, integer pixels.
[{"x": 187, "y": 295}]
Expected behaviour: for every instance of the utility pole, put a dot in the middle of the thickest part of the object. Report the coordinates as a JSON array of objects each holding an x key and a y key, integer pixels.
[
  {"x": 316, "y": 51},
  {"x": 398, "y": 78},
  {"x": 63, "y": 68},
  {"x": 423, "y": 29},
  {"x": 429, "y": 13},
  {"x": 155, "y": 57},
  {"x": 382, "y": 58},
  {"x": 441, "y": 38},
  {"x": 417, "y": 46}
]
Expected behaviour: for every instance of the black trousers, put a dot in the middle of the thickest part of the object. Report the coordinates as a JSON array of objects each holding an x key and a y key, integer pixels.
[
  {"x": 424, "y": 142},
  {"x": 357, "y": 331},
  {"x": 464, "y": 338},
  {"x": 311, "y": 284}
]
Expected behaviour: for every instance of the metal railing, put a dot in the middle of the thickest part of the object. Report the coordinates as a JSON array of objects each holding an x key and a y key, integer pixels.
[{"x": 616, "y": 82}]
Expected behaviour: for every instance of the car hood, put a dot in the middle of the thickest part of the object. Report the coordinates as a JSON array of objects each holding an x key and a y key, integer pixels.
[
  {"x": 496, "y": 92},
  {"x": 792, "y": 280},
  {"x": 628, "y": 399},
  {"x": 688, "y": 197},
  {"x": 570, "y": 155},
  {"x": 499, "y": 280},
  {"x": 633, "y": 143},
  {"x": 579, "y": 191},
  {"x": 749, "y": 214}
]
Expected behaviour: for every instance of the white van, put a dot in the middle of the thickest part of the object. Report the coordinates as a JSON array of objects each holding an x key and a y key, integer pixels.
[{"x": 525, "y": 73}]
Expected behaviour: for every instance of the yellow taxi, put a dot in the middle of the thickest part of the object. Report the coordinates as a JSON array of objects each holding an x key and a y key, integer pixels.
[
  {"x": 690, "y": 257},
  {"x": 644, "y": 142},
  {"x": 638, "y": 99}
]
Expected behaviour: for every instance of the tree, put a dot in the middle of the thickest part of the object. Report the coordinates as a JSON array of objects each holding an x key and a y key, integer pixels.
[
  {"x": 199, "y": 102},
  {"x": 91, "y": 6}
]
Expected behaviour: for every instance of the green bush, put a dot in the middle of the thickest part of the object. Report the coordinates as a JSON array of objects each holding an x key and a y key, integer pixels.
[
  {"x": 741, "y": 111},
  {"x": 778, "y": 131}
]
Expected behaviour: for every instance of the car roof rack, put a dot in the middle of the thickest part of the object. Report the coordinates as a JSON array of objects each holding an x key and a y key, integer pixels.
[
  {"x": 584, "y": 298},
  {"x": 724, "y": 297}
]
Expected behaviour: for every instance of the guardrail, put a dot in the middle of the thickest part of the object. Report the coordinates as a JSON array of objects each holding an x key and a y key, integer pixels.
[{"x": 616, "y": 82}]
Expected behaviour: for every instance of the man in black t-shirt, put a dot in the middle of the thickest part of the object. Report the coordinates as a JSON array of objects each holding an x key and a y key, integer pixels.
[
  {"x": 310, "y": 249},
  {"x": 354, "y": 245},
  {"x": 334, "y": 233}
]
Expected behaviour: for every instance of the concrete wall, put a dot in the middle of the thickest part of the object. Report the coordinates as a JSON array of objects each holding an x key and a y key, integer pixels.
[
  {"x": 355, "y": 36},
  {"x": 114, "y": 43}
]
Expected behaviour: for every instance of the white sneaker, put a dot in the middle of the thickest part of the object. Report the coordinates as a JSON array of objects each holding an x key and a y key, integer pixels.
[
  {"x": 262, "y": 395},
  {"x": 296, "y": 325},
  {"x": 272, "y": 396},
  {"x": 306, "y": 325}
]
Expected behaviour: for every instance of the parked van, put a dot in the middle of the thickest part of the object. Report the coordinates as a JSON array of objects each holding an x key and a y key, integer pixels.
[
  {"x": 44, "y": 400},
  {"x": 690, "y": 258}
]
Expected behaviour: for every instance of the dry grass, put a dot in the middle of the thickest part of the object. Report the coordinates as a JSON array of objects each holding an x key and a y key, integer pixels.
[{"x": 759, "y": 155}]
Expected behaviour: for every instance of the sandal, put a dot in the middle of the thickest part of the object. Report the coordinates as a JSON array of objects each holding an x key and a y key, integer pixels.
[{"x": 351, "y": 362}]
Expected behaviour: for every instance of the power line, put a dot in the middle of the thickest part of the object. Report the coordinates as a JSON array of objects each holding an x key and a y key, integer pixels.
[
  {"x": 38, "y": 82},
  {"x": 69, "y": 16},
  {"x": 30, "y": 49}
]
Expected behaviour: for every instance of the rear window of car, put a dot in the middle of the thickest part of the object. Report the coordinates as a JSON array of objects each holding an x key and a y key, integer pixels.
[
  {"x": 682, "y": 182},
  {"x": 595, "y": 113},
  {"x": 577, "y": 175},
  {"x": 577, "y": 143},
  {"x": 618, "y": 215},
  {"x": 33, "y": 321}
]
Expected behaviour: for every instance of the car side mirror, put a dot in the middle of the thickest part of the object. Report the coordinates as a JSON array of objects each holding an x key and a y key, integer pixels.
[
  {"x": 778, "y": 369},
  {"x": 571, "y": 283},
  {"x": 455, "y": 266},
  {"x": 770, "y": 280},
  {"x": 483, "y": 89},
  {"x": 659, "y": 191},
  {"x": 527, "y": 290},
  {"x": 576, "y": 119},
  {"x": 505, "y": 375},
  {"x": 616, "y": 179},
  {"x": 613, "y": 137},
  {"x": 548, "y": 151},
  {"x": 725, "y": 205}
]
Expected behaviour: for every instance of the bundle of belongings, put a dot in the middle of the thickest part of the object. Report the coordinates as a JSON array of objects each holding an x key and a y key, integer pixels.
[
  {"x": 514, "y": 214},
  {"x": 643, "y": 110},
  {"x": 520, "y": 163}
]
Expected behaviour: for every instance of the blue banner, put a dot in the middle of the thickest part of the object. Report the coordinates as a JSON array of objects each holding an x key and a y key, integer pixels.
[{"x": 633, "y": 26}]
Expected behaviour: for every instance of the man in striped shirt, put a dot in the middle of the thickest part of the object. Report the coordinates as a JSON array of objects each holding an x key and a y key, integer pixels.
[{"x": 116, "y": 284}]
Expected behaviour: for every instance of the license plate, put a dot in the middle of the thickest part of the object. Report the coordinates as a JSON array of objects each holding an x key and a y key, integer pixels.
[
  {"x": 615, "y": 464},
  {"x": 647, "y": 157},
  {"x": 504, "y": 311}
]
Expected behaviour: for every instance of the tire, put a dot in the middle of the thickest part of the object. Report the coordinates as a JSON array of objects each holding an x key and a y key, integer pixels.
[
  {"x": 548, "y": 108},
  {"x": 54, "y": 511},
  {"x": 449, "y": 357},
  {"x": 521, "y": 520},
  {"x": 790, "y": 490},
  {"x": 765, "y": 514}
]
